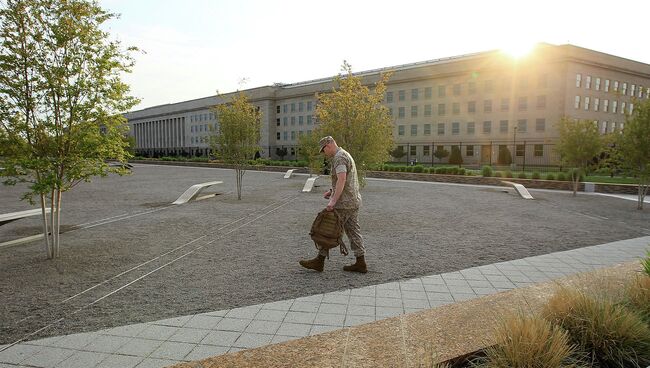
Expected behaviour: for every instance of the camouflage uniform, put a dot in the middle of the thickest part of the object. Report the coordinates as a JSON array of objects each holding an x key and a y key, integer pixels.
[{"x": 348, "y": 204}]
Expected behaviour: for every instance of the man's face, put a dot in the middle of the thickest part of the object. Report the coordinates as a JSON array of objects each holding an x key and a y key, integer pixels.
[{"x": 328, "y": 150}]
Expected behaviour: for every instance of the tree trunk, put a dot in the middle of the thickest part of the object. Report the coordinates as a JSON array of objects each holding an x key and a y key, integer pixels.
[
  {"x": 50, "y": 252},
  {"x": 46, "y": 237},
  {"x": 643, "y": 190},
  {"x": 57, "y": 252},
  {"x": 575, "y": 178}
]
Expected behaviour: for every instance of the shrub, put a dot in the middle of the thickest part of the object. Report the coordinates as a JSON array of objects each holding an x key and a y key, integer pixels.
[
  {"x": 535, "y": 175},
  {"x": 418, "y": 168},
  {"x": 529, "y": 342},
  {"x": 453, "y": 170},
  {"x": 199, "y": 159},
  {"x": 461, "y": 171},
  {"x": 508, "y": 174},
  {"x": 610, "y": 334},
  {"x": 637, "y": 293},
  {"x": 645, "y": 263},
  {"x": 522, "y": 175},
  {"x": 497, "y": 174},
  {"x": 408, "y": 169},
  {"x": 456, "y": 158},
  {"x": 486, "y": 171},
  {"x": 550, "y": 176},
  {"x": 561, "y": 176}
]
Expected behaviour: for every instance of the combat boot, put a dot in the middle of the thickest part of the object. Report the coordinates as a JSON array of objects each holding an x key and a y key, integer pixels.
[
  {"x": 314, "y": 264},
  {"x": 358, "y": 266}
]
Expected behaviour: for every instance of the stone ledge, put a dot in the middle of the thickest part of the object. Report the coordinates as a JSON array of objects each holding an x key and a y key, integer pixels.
[{"x": 448, "y": 331}]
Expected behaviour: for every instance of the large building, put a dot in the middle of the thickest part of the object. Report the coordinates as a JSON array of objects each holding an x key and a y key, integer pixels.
[{"x": 478, "y": 102}]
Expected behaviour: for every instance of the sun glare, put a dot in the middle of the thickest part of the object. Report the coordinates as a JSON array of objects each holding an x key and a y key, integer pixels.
[{"x": 517, "y": 50}]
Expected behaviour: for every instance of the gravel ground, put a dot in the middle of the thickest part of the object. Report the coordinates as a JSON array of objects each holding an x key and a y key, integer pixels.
[{"x": 221, "y": 253}]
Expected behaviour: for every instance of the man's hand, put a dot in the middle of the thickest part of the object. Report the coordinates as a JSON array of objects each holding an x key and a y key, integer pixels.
[
  {"x": 327, "y": 194},
  {"x": 330, "y": 205}
]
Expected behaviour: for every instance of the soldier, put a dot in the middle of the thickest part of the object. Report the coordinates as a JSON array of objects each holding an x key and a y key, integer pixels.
[{"x": 345, "y": 198}]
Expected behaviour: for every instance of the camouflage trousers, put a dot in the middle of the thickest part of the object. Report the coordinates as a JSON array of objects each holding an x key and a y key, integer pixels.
[{"x": 350, "y": 218}]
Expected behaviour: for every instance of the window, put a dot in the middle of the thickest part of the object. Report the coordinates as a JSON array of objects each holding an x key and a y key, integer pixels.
[
  {"x": 624, "y": 89},
  {"x": 277, "y": 109},
  {"x": 441, "y": 128},
  {"x": 293, "y": 107},
  {"x": 285, "y": 135},
  {"x": 427, "y": 110},
  {"x": 301, "y": 106},
  {"x": 503, "y": 126},
  {"x": 538, "y": 150},
  {"x": 426, "y": 150},
  {"x": 414, "y": 111},
  {"x": 632, "y": 90},
  {"x": 540, "y": 125},
  {"x": 414, "y": 94},
  {"x": 541, "y": 102},
  {"x": 522, "y": 104},
  {"x": 471, "y": 88},
  {"x": 606, "y": 85},
  {"x": 597, "y": 84},
  {"x": 293, "y": 135},
  {"x": 469, "y": 151},
  {"x": 284, "y": 121},
  {"x": 647, "y": 93},
  {"x": 442, "y": 91},
  {"x": 427, "y": 93},
  {"x": 300, "y": 120},
  {"x": 614, "y": 106},
  {"x": 308, "y": 119},
  {"x": 285, "y": 108},
  {"x": 586, "y": 103},
  {"x": 400, "y": 130},
  {"x": 640, "y": 92},
  {"x": 487, "y": 106},
  {"x": 293, "y": 120},
  {"x": 277, "y": 136},
  {"x": 470, "y": 127},
  {"x": 577, "y": 103},
  {"x": 309, "y": 105},
  {"x": 389, "y": 96},
  {"x": 441, "y": 109},
  {"x": 578, "y": 80},
  {"x": 390, "y": 111},
  {"x": 519, "y": 150},
  {"x": 489, "y": 86},
  {"x": 402, "y": 95},
  {"x": 427, "y": 129},
  {"x": 277, "y": 122},
  {"x": 622, "y": 107},
  {"x": 401, "y": 112},
  {"x": 487, "y": 127},
  {"x": 456, "y": 89},
  {"x": 542, "y": 81},
  {"x": 630, "y": 108},
  {"x": 522, "y": 126},
  {"x": 413, "y": 150},
  {"x": 596, "y": 103},
  {"x": 505, "y": 104},
  {"x": 471, "y": 107},
  {"x": 455, "y": 108},
  {"x": 615, "y": 86},
  {"x": 588, "y": 82},
  {"x": 455, "y": 128},
  {"x": 414, "y": 129}
]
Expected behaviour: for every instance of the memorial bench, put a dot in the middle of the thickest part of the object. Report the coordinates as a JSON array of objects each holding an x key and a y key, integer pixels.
[
  {"x": 13, "y": 216},
  {"x": 193, "y": 192},
  {"x": 520, "y": 189}
]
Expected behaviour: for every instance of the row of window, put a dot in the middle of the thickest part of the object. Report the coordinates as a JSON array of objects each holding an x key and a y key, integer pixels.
[
  {"x": 470, "y": 127},
  {"x": 301, "y": 120},
  {"x": 522, "y": 105},
  {"x": 457, "y": 88},
  {"x": 634, "y": 90},
  {"x": 202, "y": 117},
  {"x": 586, "y": 104},
  {"x": 520, "y": 149},
  {"x": 295, "y": 107},
  {"x": 285, "y": 135}
]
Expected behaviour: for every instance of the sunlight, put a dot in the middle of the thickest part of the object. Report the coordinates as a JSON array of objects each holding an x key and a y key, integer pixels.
[{"x": 517, "y": 48}]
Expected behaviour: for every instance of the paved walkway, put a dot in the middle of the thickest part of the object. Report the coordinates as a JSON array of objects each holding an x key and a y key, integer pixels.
[{"x": 193, "y": 337}]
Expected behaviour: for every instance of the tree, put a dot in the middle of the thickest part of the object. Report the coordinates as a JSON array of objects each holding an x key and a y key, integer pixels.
[
  {"x": 239, "y": 134},
  {"x": 579, "y": 143},
  {"x": 310, "y": 151},
  {"x": 633, "y": 146},
  {"x": 355, "y": 117},
  {"x": 281, "y": 152},
  {"x": 504, "y": 157},
  {"x": 61, "y": 100},
  {"x": 440, "y": 152},
  {"x": 456, "y": 158},
  {"x": 398, "y": 152}
]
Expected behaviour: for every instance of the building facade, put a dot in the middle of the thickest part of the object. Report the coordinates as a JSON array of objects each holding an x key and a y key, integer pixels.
[{"x": 479, "y": 103}]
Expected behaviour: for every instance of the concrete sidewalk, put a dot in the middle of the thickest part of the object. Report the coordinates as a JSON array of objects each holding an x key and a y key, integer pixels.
[{"x": 193, "y": 337}]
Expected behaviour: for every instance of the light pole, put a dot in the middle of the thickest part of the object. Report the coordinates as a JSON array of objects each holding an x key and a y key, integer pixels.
[{"x": 514, "y": 148}]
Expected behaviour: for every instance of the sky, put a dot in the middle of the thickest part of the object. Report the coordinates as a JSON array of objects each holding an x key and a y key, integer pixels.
[{"x": 196, "y": 48}]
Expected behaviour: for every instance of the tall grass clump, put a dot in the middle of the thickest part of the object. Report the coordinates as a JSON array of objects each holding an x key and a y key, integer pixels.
[
  {"x": 645, "y": 263},
  {"x": 637, "y": 295},
  {"x": 486, "y": 171},
  {"x": 529, "y": 342},
  {"x": 609, "y": 333}
]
